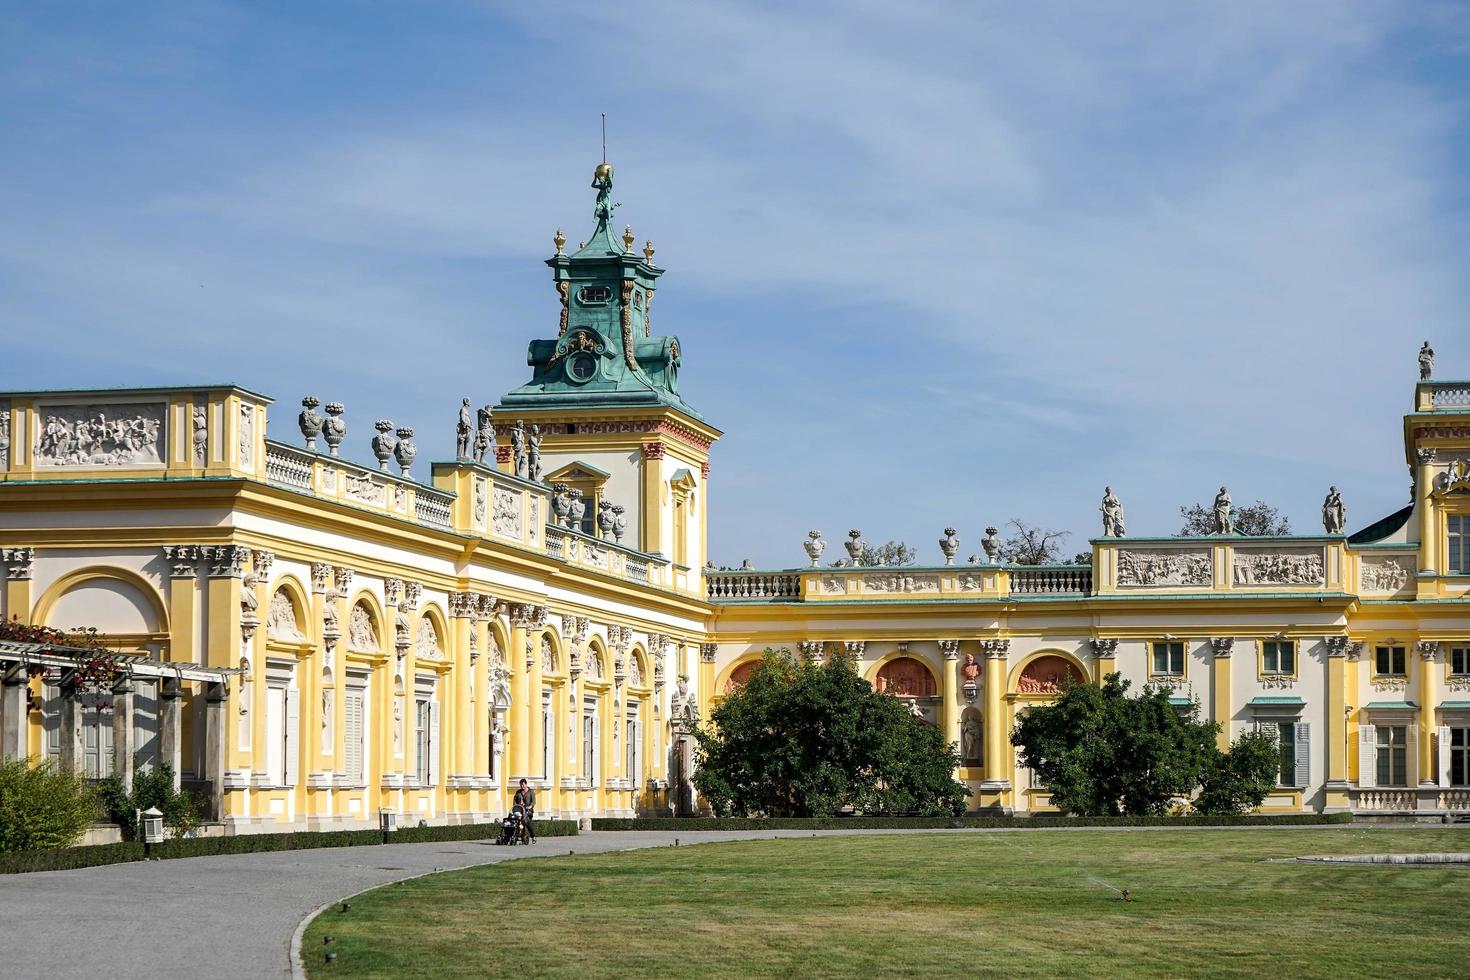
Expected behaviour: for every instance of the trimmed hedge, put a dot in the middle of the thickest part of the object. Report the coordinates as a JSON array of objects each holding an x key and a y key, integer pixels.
[
  {"x": 958, "y": 823},
  {"x": 65, "y": 858}
]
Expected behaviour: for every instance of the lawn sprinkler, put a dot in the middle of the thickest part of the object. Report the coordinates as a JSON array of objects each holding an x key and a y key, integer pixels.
[
  {"x": 1124, "y": 896},
  {"x": 331, "y": 957},
  {"x": 345, "y": 906}
]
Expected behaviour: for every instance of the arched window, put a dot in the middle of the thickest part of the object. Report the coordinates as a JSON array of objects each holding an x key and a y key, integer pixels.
[{"x": 906, "y": 678}]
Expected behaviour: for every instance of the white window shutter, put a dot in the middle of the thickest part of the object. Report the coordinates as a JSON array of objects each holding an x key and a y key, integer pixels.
[
  {"x": 596, "y": 749},
  {"x": 1411, "y": 746},
  {"x": 352, "y": 737},
  {"x": 1303, "y": 753},
  {"x": 291, "y": 736},
  {"x": 1443, "y": 736},
  {"x": 1367, "y": 756},
  {"x": 433, "y": 767}
]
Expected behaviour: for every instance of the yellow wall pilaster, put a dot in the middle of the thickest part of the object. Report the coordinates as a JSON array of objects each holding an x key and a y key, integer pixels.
[
  {"x": 950, "y": 690},
  {"x": 1429, "y": 653},
  {"x": 1221, "y": 647}
]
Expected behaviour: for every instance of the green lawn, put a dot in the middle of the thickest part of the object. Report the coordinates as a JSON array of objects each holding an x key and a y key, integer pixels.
[{"x": 1205, "y": 903}]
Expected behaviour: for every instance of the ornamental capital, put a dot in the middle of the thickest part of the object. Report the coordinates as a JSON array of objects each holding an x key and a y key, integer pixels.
[
  {"x": 462, "y": 605},
  {"x": 183, "y": 560},
  {"x": 707, "y": 652},
  {"x": 810, "y": 649},
  {"x": 1337, "y": 646},
  {"x": 227, "y": 560},
  {"x": 342, "y": 575},
  {"x": 1429, "y": 650},
  {"x": 653, "y": 450},
  {"x": 950, "y": 649},
  {"x": 855, "y": 648},
  {"x": 320, "y": 573},
  {"x": 1355, "y": 650},
  {"x": 996, "y": 649},
  {"x": 412, "y": 593},
  {"x": 262, "y": 561},
  {"x": 1222, "y": 645},
  {"x": 19, "y": 562},
  {"x": 1425, "y": 455},
  {"x": 485, "y": 607},
  {"x": 1105, "y": 646},
  {"x": 392, "y": 591}
]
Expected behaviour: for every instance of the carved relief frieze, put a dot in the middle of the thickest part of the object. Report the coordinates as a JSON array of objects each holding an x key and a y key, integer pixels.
[
  {"x": 1385, "y": 574},
  {"x": 834, "y": 584},
  {"x": 1279, "y": 566},
  {"x": 507, "y": 512},
  {"x": 900, "y": 582},
  {"x": 100, "y": 435},
  {"x": 363, "y": 488},
  {"x": 1140, "y": 568}
]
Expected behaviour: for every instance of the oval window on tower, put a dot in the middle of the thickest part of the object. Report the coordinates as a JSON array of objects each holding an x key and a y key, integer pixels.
[
  {"x": 581, "y": 366},
  {"x": 594, "y": 295}
]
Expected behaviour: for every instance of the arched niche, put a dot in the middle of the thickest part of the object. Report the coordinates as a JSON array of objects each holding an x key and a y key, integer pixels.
[
  {"x": 364, "y": 626},
  {"x": 906, "y": 677},
  {"x": 428, "y": 641},
  {"x": 1048, "y": 673},
  {"x": 285, "y": 614},
  {"x": 114, "y": 601},
  {"x": 740, "y": 675},
  {"x": 972, "y": 738}
]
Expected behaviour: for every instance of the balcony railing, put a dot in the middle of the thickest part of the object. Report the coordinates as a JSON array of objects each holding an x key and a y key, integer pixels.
[
  {"x": 1448, "y": 395},
  {"x": 576, "y": 548},
  {"x": 1051, "y": 580},
  {"x": 288, "y": 467},
  {"x": 432, "y": 506},
  {"x": 768, "y": 586}
]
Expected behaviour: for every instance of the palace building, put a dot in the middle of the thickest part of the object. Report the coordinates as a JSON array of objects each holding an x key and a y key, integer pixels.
[{"x": 308, "y": 639}]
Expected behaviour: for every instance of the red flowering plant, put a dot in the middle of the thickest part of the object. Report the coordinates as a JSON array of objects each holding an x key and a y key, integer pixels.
[{"x": 97, "y": 667}]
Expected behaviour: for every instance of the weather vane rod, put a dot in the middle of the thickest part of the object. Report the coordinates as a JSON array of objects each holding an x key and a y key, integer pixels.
[{"x": 604, "y": 137}]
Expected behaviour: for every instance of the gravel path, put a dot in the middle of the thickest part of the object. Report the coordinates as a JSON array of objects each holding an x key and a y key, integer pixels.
[{"x": 233, "y": 916}]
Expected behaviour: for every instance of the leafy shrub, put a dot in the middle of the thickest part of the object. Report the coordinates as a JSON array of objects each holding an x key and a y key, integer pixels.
[
  {"x": 1242, "y": 777},
  {"x": 42, "y": 806},
  {"x": 152, "y": 787}
]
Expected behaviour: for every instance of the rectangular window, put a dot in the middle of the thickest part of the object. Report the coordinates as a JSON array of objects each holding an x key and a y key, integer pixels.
[
  {"x": 275, "y": 736},
  {"x": 421, "y": 741},
  {"x": 1459, "y": 756},
  {"x": 1286, "y": 743},
  {"x": 1168, "y": 658},
  {"x": 1460, "y": 661},
  {"x": 1390, "y": 661},
  {"x": 1278, "y": 657},
  {"x": 589, "y": 749},
  {"x": 548, "y": 739},
  {"x": 1393, "y": 759},
  {"x": 1459, "y": 554}
]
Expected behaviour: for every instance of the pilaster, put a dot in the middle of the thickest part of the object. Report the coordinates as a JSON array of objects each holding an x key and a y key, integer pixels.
[
  {"x": 1105, "y": 652},
  {"x": 1430, "y": 652},
  {"x": 1221, "y": 647},
  {"x": 997, "y": 745},
  {"x": 950, "y": 690},
  {"x": 1428, "y": 586},
  {"x": 1336, "y": 798},
  {"x": 19, "y": 564}
]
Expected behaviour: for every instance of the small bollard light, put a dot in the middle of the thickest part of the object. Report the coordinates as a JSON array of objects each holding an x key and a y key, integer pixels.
[
  {"x": 328, "y": 939},
  {"x": 346, "y": 906},
  {"x": 387, "y": 821},
  {"x": 150, "y": 827},
  {"x": 331, "y": 957}
]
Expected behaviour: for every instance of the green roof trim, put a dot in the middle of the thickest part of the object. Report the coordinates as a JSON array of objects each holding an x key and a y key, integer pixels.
[
  {"x": 1391, "y": 706},
  {"x": 1179, "y": 701},
  {"x": 131, "y": 389},
  {"x": 1274, "y": 700},
  {"x": 1455, "y": 705}
]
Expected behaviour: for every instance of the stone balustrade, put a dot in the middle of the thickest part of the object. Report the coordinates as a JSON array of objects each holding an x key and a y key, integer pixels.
[
  {"x": 1051, "y": 580},
  {"x": 333, "y": 478},
  {"x": 1443, "y": 396},
  {"x": 742, "y": 586},
  {"x": 586, "y": 551}
]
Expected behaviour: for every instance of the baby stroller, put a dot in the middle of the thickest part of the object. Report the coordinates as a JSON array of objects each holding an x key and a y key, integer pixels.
[
  {"x": 526, "y": 832},
  {"x": 510, "y": 828}
]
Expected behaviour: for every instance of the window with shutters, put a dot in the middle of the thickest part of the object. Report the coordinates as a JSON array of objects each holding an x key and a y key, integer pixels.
[
  {"x": 51, "y": 719},
  {"x": 275, "y": 736},
  {"x": 1393, "y": 758},
  {"x": 355, "y": 736},
  {"x": 1168, "y": 659},
  {"x": 548, "y": 738},
  {"x": 1390, "y": 661},
  {"x": 589, "y": 747},
  {"x": 1278, "y": 657},
  {"x": 1459, "y": 749},
  {"x": 1459, "y": 661},
  {"x": 635, "y": 751},
  {"x": 422, "y": 747}
]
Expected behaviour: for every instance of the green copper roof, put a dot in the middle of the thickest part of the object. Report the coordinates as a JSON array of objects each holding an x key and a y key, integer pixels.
[
  {"x": 1391, "y": 706},
  {"x": 605, "y": 354},
  {"x": 1455, "y": 705},
  {"x": 1274, "y": 700}
]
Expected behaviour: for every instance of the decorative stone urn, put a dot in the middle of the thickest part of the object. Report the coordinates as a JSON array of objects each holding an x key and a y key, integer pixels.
[
  {"x": 949, "y": 545},
  {"x": 814, "y": 546},
  {"x": 334, "y": 429},
  {"x": 577, "y": 509},
  {"x": 561, "y": 503},
  {"x": 404, "y": 450},
  {"x": 605, "y": 518},
  {"x": 620, "y": 523},
  {"x": 991, "y": 544},
  {"x": 383, "y": 442},
  {"x": 310, "y": 420},
  {"x": 855, "y": 546}
]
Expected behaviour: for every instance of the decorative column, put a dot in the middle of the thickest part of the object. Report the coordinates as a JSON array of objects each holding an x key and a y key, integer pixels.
[
  {"x": 466, "y": 654},
  {"x": 1429, "y": 654},
  {"x": 170, "y": 724},
  {"x": 19, "y": 565},
  {"x": 14, "y": 712},
  {"x": 950, "y": 690},
  {"x": 705, "y": 685},
  {"x": 1428, "y": 532},
  {"x": 810, "y": 649},
  {"x": 183, "y": 596},
  {"x": 997, "y": 779},
  {"x": 216, "y": 697},
  {"x": 71, "y": 723},
  {"x": 1221, "y": 647},
  {"x": 535, "y": 730},
  {"x": 228, "y": 646},
  {"x": 482, "y": 640},
  {"x": 1105, "y": 650},
  {"x": 122, "y": 731},
  {"x": 521, "y": 618},
  {"x": 1336, "y": 797},
  {"x": 651, "y": 518}
]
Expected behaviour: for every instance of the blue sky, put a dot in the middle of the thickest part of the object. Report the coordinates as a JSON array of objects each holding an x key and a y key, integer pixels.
[{"x": 930, "y": 263}]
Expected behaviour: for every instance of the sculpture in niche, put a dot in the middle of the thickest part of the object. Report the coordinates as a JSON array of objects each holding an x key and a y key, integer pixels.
[
  {"x": 402, "y": 631},
  {"x": 281, "y": 619},
  {"x": 635, "y": 673},
  {"x": 594, "y": 666},
  {"x": 479, "y": 502},
  {"x": 463, "y": 429},
  {"x": 905, "y": 677},
  {"x": 1426, "y": 362},
  {"x": 247, "y": 687},
  {"x": 1047, "y": 675},
  {"x": 533, "y": 454},
  {"x": 100, "y": 435},
  {"x": 949, "y": 545},
  {"x": 548, "y": 656},
  {"x": 247, "y": 434},
  {"x": 383, "y": 442},
  {"x": 507, "y": 512},
  {"x": 1112, "y": 514},
  {"x": 1334, "y": 514},
  {"x": 970, "y": 750},
  {"x": 1388, "y": 575},
  {"x": 518, "y": 448},
  {"x": 201, "y": 434},
  {"x": 362, "y": 635},
  {"x": 398, "y": 725},
  {"x": 970, "y": 671},
  {"x": 310, "y": 420},
  {"x": 334, "y": 429},
  {"x": 427, "y": 643},
  {"x": 814, "y": 546},
  {"x": 484, "y": 434},
  {"x": 328, "y": 696},
  {"x": 1279, "y": 568},
  {"x": 1224, "y": 519},
  {"x": 1146, "y": 568}
]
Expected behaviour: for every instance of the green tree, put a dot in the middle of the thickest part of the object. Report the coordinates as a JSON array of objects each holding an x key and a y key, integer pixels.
[
  {"x": 1032, "y": 545},
  {"x": 1101, "y": 752},
  {"x": 892, "y": 553},
  {"x": 152, "y": 787},
  {"x": 42, "y": 806},
  {"x": 1239, "y": 779},
  {"x": 807, "y": 739},
  {"x": 1255, "y": 520}
]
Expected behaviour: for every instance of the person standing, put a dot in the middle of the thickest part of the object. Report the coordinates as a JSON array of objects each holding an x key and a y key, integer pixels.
[{"x": 525, "y": 801}]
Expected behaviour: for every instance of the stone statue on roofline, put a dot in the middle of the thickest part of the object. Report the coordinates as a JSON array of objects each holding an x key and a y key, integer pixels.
[
  {"x": 484, "y": 434},
  {"x": 518, "y": 448},
  {"x": 533, "y": 455},
  {"x": 1426, "y": 362},
  {"x": 1224, "y": 520},
  {"x": 463, "y": 427},
  {"x": 1112, "y": 514},
  {"x": 1334, "y": 514}
]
